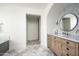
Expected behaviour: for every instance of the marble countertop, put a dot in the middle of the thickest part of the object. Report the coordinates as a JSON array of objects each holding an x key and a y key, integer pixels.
[{"x": 74, "y": 38}]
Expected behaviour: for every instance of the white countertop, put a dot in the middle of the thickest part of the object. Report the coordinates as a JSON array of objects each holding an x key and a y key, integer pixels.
[
  {"x": 74, "y": 38},
  {"x": 3, "y": 38}
]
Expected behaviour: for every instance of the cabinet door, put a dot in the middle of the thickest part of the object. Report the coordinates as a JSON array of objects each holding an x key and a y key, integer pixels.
[
  {"x": 53, "y": 45},
  {"x": 49, "y": 43},
  {"x": 58, "y": 49}
]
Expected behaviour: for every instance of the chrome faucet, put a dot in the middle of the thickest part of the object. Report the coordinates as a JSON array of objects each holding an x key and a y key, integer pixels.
[{"x": 66, "y": 33}]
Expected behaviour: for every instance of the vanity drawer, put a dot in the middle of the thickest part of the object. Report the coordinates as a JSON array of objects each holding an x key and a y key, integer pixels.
[
  {"x": 68, "y": 51},
  {"x": 58, "y": 39},
  {"x": 68, "y": 54},
  {"x": 69, "y": 43},
  {"x": 51, "y": 37}
]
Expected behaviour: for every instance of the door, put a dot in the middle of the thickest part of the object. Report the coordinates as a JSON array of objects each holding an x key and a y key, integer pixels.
[{"x": 32, "y": 27}]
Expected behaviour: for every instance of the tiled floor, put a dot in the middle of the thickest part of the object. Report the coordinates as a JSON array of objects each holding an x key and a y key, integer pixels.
[
  {"x": 31, "y": 50},
  {"x": 33, "y": 42}
]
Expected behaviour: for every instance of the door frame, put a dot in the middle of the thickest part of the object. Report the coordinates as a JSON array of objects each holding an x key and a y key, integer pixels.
[{"x": 39, "y": 27}]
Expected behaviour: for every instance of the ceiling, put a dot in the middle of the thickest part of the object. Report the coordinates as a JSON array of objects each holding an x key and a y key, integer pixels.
[{"x": 30, "y": 5}]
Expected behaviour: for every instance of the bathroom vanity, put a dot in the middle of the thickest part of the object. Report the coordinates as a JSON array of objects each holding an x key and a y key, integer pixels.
[
  {"x": 4, "y": 44},
  {"x": 63, "y": 46},
  {"x": 64, "y": 42}
]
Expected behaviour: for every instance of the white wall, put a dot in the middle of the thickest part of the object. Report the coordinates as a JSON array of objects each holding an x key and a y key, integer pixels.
[
  {"x": 44, "y": 26},
  {"x": 14, "y": 18}
]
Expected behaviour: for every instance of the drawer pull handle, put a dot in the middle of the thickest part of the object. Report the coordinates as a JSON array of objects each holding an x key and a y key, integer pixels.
[
  {"x": 67, "y": 54},
  {"x": 67, "y": 48},
  {"x": 67, "y": 42}
]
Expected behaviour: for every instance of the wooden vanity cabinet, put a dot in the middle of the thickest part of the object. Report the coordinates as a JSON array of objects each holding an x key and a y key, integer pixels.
[
  {"x": 63, "y": 47},
  {"x": 68, "y": 48},
  {"x": 54, "y": 44},
  {"x": 58, "y": 46},
  {"x": 51, "y": 43}
]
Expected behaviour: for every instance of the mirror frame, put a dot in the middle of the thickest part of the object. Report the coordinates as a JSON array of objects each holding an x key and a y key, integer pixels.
[{"x": 74, "y": 26}]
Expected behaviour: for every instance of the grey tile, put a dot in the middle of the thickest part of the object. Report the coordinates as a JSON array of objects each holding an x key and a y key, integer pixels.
[{"x": 31, "y": 50}]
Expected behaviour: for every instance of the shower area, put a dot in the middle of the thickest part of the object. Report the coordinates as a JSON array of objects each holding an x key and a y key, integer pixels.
[{"x": 33, "y": 29}]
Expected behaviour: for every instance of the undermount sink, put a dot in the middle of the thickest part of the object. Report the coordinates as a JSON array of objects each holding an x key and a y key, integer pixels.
[
  {"x": 68, "y": 35},
  {"x": 71, "y": 36}
]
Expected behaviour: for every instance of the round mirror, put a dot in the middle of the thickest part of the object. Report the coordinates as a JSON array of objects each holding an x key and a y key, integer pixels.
[{"x": 68, "y": 22}]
